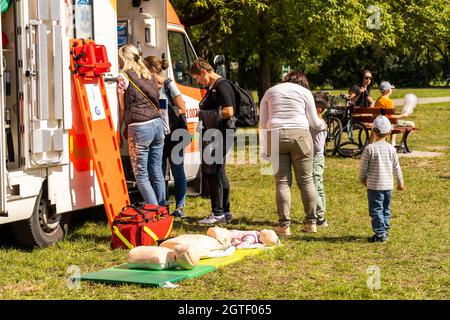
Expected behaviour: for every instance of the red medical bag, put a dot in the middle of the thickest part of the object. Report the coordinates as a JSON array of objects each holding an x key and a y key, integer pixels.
[{"x": 144, "y": 226}]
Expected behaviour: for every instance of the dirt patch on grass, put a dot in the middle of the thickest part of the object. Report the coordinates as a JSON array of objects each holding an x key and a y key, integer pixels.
[{"x": 22, "y": 286}]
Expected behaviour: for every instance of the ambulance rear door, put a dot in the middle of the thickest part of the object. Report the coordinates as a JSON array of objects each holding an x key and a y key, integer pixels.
[
  {"x": 43, "y": 64},
  {"x": 144, "y": 25},
  {"x": 2, "y": 137}
]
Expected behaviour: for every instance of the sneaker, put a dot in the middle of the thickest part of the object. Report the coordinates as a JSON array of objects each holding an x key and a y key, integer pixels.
[
  {"x": 378, "y": 238},
  {"x": 309, "y": 227},
  {"x": 228, "y": 217},
  {"x": 213, "y": 219},
  {"x": 322, "y": 223},
  {"x": 179, "y": 213},
  {"x": 283, "y": 231}
]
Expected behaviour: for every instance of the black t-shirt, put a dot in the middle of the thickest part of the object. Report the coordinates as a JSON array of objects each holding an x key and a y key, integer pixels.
[
  {"x": 220, "y": 95},
  {"x": 363, "y": 98}
]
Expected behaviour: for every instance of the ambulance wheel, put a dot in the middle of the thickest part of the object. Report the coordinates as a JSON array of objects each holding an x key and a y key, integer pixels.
[
  {"x": 195, "y": 187},
  {"x": 44, "y": 227}
]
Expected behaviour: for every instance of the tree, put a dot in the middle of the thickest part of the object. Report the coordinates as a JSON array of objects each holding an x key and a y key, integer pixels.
[{"x": 331, "y": 40}]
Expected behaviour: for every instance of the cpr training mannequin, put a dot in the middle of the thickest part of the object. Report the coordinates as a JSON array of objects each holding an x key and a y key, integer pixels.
[
  {"x": 245, "y": 239},
  {"x": 160, "y": 258},
  {"x": 186, "y": 250}
]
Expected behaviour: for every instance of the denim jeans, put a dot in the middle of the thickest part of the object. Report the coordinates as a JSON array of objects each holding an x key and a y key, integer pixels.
[
  {"x": 177, "y": 170},
  {"x": 380, "y": 210},
  {"x": 145, "y": 146}
]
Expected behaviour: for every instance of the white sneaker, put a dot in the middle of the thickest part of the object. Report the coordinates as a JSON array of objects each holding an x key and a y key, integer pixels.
[{"x": 213, "y": 219}]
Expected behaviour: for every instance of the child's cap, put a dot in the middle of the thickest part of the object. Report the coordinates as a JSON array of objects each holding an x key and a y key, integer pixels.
[
  {"x": 384, "y": 86},
  {"x": 382, "y": 124}
]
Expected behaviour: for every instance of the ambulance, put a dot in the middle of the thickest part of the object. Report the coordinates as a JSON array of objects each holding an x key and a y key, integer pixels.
[{"x": 46, "y": 172}]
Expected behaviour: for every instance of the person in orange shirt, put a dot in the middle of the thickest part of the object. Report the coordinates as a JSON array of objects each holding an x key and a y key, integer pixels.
[{"x": 384, "y": 102}]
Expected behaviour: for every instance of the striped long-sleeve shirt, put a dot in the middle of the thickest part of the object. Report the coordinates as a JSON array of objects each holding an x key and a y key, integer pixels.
[{"x": 379, "y": 162}]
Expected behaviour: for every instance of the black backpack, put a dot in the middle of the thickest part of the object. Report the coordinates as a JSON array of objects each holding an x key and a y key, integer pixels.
[
  {"x": 245, "y": 111},
  {"x": 175, "y": 120}
]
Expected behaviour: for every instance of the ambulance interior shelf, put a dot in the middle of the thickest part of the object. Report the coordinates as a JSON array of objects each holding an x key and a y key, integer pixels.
[{"x": 9, "y": 89}]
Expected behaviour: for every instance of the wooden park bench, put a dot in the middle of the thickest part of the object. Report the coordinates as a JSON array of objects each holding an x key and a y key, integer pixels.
[{"x": 366, "y": 116}]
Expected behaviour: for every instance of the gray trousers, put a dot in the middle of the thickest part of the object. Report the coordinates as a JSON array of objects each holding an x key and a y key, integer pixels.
[
  {"x": 318, "y": 168},
  {"x": 295, "y": 150}
]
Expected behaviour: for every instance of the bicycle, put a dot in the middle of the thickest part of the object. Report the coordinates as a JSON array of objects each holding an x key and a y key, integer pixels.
[
  {"x": 332, "y": 117},
  {"x": 354, "y": 135}
]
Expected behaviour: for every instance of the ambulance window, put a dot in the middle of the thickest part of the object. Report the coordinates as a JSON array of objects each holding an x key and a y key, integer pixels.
[
  {"x": 84, "y": 23},
  {"x": 182, "y": 56}
]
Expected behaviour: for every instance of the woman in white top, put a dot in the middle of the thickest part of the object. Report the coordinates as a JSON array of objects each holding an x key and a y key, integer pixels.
[{"x": 287, "y": 111}]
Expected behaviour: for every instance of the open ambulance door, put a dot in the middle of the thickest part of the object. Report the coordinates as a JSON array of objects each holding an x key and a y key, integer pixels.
[
  {"x": 144, "y": 25},
  {"x": 2, "y": 137},
  {"x": 43, "y": 81}
]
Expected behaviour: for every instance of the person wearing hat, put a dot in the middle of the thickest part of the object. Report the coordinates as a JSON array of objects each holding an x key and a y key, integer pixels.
[
  {"x": 379, "y": 162},
  {"x": 384, "y": 102}
]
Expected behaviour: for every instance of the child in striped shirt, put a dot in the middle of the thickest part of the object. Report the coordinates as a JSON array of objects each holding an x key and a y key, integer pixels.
[{"x": 379, "y": 162}]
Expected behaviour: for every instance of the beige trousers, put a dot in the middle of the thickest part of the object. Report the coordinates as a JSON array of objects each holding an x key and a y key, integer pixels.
[{"x": 295, "y": 150}]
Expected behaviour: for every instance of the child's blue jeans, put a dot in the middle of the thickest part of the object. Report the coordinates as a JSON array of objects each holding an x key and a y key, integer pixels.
[{"x": 380, "y": 210}]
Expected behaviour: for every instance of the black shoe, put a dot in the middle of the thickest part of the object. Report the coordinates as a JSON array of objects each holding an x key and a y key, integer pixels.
[
  {"x": 378, "y": 238},
  {"x": 179, "y": 213},
  {"x": 322, "y": 223},
  {"x": 228, "y": 217}
]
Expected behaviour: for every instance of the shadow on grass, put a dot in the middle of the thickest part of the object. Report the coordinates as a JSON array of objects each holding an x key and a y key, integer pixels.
[
  {"x": 80, "y": 219},
  {"x": 97, "y": 238},
  {"x": 253, "y": 222},
  {"x": 191, "y": 225},
  {"x": 7, "y": 240},
  {"x": 341, "y": 239}
]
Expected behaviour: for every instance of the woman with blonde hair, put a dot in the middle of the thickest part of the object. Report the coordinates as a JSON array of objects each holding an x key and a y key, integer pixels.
[
  {"x": 138, "y": 96},
  {"x": 170, "y": 93}
]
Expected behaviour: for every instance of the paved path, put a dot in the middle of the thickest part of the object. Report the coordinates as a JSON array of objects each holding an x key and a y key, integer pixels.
[
  {"x": 420, "y": 154},
  {"x": 399, "y": 102}
]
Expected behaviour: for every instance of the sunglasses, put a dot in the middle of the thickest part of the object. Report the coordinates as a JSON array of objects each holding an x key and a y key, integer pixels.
[{"x": 370, "y": 78}]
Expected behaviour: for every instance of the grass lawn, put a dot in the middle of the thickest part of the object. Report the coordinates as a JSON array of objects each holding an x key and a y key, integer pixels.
[{"x": 332, "y": 264}]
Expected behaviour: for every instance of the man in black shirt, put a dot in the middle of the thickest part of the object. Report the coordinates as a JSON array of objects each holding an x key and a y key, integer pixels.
[{"x": 216, "y": 113}]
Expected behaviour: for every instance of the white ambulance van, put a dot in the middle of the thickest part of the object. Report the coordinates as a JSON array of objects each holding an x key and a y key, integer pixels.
[{"x": 46, "y": 171}]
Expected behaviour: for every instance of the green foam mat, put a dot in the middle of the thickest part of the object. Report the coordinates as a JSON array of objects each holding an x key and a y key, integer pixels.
[
  {"x": 155, "y": 278},
  {"x": 158, "y": 278}
]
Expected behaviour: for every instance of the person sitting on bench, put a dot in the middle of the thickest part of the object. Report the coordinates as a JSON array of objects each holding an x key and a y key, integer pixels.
[{"x": 384, "y": 102}]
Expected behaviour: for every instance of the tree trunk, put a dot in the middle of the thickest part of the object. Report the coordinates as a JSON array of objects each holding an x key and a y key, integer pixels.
[
  {"x": 264, "y": 62},
  {"x": 241, "y": 76}
]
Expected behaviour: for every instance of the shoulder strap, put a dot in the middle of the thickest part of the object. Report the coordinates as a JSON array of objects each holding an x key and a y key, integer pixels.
[
  {"x": 236, "y": 91},
  {"x": 167, "y": 90},
  {"x": 139, "y": 89},
  {"x": 217, "y": 82}
]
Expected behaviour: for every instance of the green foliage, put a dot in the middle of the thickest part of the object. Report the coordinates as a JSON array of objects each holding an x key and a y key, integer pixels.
[{"x": 331, "y": 40}]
